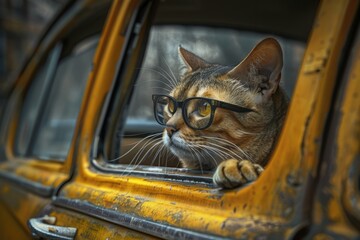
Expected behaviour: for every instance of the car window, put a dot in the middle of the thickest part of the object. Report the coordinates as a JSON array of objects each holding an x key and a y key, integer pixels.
[
  {"x": 53, "y": 101},
  {"x": 63, "y": 103},
  {"x": 33, "y": 102},
  {"x": 136, "y": 145},
  {"x": 162, "y": 67}
]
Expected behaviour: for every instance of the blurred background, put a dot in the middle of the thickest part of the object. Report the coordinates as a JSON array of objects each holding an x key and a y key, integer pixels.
[{"x": 21, "y": 24}]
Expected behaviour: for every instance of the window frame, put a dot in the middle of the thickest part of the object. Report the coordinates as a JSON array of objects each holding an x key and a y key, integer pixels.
[
  {"x": 114, "y": 107},
  {"x": 99, "y": 159}
]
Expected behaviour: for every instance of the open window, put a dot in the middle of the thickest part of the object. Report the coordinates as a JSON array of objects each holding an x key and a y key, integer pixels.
[{"x": 129, "y": 138}]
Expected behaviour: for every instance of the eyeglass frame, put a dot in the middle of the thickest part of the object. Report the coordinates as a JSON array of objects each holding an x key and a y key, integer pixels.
[{"x": 213, "y": 103}]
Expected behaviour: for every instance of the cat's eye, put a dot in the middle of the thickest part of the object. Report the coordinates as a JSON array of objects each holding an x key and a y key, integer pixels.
[
  {"x": 204, "y": 108},
  {"x": 171, "y": 106}
]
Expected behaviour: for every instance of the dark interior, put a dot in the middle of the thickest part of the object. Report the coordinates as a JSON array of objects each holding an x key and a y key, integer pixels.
[{"x": 291, "y": 19}]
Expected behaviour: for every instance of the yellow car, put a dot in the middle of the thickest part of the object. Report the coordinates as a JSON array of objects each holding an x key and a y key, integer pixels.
[{"x": 78, "y": 156}]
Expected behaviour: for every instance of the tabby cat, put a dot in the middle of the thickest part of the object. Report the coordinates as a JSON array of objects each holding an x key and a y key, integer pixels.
[{"x": 225, "y": 118}]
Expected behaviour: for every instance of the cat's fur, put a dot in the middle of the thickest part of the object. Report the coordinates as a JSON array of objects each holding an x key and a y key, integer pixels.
[{"x": 237, "y": 145}]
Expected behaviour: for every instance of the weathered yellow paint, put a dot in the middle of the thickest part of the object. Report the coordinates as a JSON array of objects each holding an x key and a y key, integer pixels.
[
  {"x": 278, "y": 203},
  {"x": 278, "y": 200},
  {"x": 174, "y": 209},
  {"x": 46, "y": 173},
  {"x": 95, "y": 228},
  {"x": 110, "y": 46},
  {"x": 21, "y": 204},
  {"x": 11, "y": 223},
  {"x": 349, "y": 142},
  {"x": 340, "y": 197}
]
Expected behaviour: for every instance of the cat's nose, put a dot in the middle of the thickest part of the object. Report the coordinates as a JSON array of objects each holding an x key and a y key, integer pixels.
[{"x": 170, "y": 130}]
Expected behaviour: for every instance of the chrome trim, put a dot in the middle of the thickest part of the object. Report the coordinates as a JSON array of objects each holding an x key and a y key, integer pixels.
[{"x": 131, "y": 221}]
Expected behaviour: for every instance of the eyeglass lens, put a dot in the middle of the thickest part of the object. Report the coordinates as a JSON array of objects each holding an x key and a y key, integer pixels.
[
  {"x": 197, "y": 113},
  {"x": 164, "y": 109}
]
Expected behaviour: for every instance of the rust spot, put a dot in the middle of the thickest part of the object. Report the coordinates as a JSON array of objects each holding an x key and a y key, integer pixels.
[
  {"x": 52, "y": 229},
  {"x": 206, "y": 226},
  {"x": 233, "y": 224},
  {"x": 177, "y": 217},
  {"x": 223, "y": 225},
  {"x": 293, "y": 180}
]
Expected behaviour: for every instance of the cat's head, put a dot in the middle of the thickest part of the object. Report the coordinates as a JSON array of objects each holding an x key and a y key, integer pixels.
[{"x": 252, "y": 84}]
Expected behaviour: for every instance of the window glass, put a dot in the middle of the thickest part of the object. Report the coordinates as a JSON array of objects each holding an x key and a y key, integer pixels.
[
  {"x": 33, "y": 102},
  {"x": 59, "y": 115}
]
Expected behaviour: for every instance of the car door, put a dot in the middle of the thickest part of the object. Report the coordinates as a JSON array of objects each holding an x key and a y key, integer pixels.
[
  {"x": 111, "y": 196},
  {"x": 40, "y": 119}
]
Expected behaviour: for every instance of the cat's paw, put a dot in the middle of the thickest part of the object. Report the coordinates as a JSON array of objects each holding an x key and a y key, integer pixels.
[{"x": 233, "y": 173}]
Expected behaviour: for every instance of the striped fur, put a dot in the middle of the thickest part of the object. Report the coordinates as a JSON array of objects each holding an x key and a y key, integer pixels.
[{"x": 254, "y": 84}]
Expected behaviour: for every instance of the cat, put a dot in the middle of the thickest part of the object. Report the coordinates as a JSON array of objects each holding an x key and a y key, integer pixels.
[{"x": 237, "y": 145}]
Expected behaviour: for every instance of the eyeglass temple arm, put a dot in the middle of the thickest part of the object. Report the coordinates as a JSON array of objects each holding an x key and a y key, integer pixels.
[{"x": 233, "y": 107}]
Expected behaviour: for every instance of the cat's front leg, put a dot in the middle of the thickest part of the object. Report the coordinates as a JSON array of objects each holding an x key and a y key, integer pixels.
[{"x": 233, "y": 173}]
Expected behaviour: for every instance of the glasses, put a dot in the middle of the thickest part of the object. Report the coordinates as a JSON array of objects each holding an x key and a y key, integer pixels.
[{"x": 197, "y": 112}]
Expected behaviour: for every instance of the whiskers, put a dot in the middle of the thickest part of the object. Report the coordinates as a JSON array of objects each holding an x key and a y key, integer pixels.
[
  {"x": 229, "y": 148},
  {"x": 206, "y": 153},
  {"x": 209, "y": 151},
  {"x": 168, "y": 79},
  {"x": 149, "y": 151}
]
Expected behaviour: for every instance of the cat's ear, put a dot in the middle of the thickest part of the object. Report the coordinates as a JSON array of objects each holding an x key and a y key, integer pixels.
[
  {"x": 261, "y": 68},
  {"x": 192, "y": 61}
]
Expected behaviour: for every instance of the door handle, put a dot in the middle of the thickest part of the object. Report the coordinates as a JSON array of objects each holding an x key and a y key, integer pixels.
[{"x": 44, "y": 227}]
